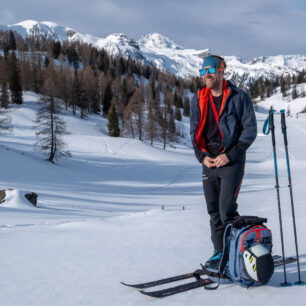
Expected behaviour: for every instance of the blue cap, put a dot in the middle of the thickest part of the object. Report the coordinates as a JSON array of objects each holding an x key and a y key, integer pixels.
[{"x": 212, "y": 61}]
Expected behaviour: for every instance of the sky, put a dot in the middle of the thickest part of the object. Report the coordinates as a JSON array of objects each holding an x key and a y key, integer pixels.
[{"x": 242, "y": 28}]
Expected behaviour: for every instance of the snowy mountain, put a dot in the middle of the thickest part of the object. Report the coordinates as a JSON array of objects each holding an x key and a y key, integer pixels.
[{"x": 165, "y": 54}]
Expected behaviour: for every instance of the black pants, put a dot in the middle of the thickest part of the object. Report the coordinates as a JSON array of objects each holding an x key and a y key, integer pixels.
[{"x": 221, "y": 187}]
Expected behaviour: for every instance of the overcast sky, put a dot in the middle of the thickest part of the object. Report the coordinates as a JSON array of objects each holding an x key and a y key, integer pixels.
[{"x": 228, "y": 27}]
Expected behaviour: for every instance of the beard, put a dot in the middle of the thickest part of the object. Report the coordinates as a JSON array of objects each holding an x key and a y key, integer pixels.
[{"x": 212, "y": 82}]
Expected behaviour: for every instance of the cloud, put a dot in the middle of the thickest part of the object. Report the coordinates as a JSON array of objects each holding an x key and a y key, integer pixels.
[
  {"x": 236, "y": 27},
  {"x": 7, "y": 16}
]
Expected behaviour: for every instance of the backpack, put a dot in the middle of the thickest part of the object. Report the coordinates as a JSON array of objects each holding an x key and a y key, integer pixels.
[{"x": 243, "y": 235}]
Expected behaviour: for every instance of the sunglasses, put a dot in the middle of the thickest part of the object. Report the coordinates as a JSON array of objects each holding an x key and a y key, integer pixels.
[{"x": 211, "y": 70}]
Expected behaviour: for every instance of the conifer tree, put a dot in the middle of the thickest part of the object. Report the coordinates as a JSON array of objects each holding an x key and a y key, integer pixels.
[
  {"x": 301, "y": 77},
  {"x": 47, "y": 61},
  {"x": 5, "y": 120},
  {"x": 175, "y": 99},
  {"x": 14, "y": 80},
  {"x": 172, "y": 128},
  {"x": 152, "y": 108},
  {"x": 4, "y": 95},
  {"x": 178, "y": 101},
  {"x": 294, "y": 93},
  {"x": 56, "y": 49},
  {"x": 36, "y": 75},
  {"x": 283, "y": 88},
  {"x": 113, "y": 124},
  {"x": 178, "y": 115},
  {"x": 12, "y": 41},
  {"x": 186, "y": 107},
  {"x": 76, "y": 94},
  {"x": 124, "y": 92},
  {"x": 106, "y": 102}
]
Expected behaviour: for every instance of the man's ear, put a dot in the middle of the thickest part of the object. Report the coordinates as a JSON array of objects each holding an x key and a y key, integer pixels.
[{"x": 222, "y": 67}]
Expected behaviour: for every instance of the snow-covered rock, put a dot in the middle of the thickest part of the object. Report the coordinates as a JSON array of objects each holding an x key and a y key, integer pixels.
[{"x": 16, "y": 199}]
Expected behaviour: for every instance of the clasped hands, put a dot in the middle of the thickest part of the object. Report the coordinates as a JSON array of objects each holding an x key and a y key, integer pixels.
[{"x": 219, "y": 161}]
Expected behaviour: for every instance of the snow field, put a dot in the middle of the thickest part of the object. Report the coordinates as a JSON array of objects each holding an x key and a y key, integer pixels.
[{"x": 99, "y": 219}]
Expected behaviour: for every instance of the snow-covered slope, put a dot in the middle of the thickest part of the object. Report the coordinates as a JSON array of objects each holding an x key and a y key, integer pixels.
[
  {"x": 99, "y": 219},
  {"x": 265, "y": 66},
  {"x": 47, "y": 29},
  {"x": 278, "y": 102},
  {"x": 165, "y": 54}
]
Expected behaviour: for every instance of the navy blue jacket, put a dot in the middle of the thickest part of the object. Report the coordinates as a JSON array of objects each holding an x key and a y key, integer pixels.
[{"x": 237, "y": 123}]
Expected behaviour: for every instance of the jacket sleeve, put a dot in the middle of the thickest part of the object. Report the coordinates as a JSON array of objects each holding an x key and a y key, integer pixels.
[
  {"x": 237, "y": 151},
  {"x": 194, "y": 121},
  {"x": 248, "y": 124},
  {"x": 247, "y": 119}
]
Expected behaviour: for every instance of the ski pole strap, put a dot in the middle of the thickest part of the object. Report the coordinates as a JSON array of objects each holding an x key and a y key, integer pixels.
[{"x": 266, "y": 127}]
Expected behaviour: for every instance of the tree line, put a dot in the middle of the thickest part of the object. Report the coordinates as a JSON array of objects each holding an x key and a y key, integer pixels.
[
  {"x": 263, "y": 88},
  {"x": 139, "y": 100}
]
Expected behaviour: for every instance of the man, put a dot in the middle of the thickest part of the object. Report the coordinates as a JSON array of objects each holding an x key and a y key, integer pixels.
[{"x": 222, "y": 127}]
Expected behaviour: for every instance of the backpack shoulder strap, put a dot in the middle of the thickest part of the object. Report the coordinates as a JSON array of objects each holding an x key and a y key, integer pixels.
[
  {"x": 224, "y": 258},
  {"x": 225, "y": 255}
]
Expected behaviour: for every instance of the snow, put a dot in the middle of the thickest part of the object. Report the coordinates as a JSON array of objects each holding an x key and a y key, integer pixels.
[
  {"x": 156, "y": 40},
  {"x": 27, "y": 24},
  {"x": 99, "y": 220},
  {"x": 278, "y": 102}
]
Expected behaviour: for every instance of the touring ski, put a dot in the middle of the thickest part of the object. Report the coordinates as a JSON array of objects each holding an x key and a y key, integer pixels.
[
  {"x": 161, "y": 281},
  {"x": 175, "y": 278},
  {"x": 196, "y": 274},
  {"x": 199, "y": 282},
  {"x": 178, "y": 289}
]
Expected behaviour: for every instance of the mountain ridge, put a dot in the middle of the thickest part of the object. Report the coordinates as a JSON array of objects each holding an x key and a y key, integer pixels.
[{"x": 160, "y": 51}]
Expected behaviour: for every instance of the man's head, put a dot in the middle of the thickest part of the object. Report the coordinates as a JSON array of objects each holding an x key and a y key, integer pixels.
[{"x": 212, "y": 71}]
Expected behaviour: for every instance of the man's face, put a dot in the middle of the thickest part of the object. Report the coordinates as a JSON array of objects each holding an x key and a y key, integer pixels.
[{"x": 213, "y": 81}]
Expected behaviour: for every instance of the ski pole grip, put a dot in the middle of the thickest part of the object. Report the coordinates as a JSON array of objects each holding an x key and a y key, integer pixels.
[
  {"x": 283, "y": 120},
  {"x": 283, "y": 124},
  {"x": 271, "y": 119}
]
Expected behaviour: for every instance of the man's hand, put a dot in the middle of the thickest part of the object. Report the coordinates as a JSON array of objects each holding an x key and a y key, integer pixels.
[
  {"x": 221, "y": 160},
  {"x": 209, "y": 162}
]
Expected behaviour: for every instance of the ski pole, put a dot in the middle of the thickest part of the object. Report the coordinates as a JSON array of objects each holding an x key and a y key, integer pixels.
[
  {"x": 270, "y": 124},
  {"x": 284, "y": 131}
]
